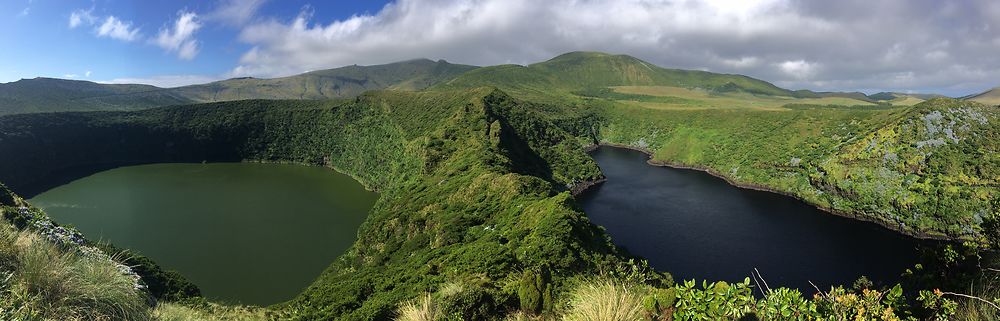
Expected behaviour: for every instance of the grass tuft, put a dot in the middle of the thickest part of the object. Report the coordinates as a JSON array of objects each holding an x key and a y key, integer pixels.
[
  {"x": 605, "y": 300},
  {"x": 42, "y": 281},
  {"x": 420, "y": 309}
]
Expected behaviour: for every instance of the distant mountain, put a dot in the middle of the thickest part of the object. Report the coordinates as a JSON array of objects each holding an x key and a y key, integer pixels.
[
  {"x": 332, "y": 83},
  {"x": 886, "y": 96},
  {"x": 989, "y": 97},
  {"x": 565, "y": 74},
  {"x": 48, "y": 95},
  {"x": 820, "y": 94},
  {"x": 578, "y": 70}
]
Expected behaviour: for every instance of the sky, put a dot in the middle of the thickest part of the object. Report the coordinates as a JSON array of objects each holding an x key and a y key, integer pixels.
[{"x": 931, "y": 46}]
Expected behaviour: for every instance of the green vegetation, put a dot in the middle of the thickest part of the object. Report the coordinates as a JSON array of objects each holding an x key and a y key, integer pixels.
[
  {"x": 589, "y": 70},
  {"x": 341, "y": 82},
  {"x": 201, "y": 310},
  {"x": 47, "y": 95},
  {"x": 476, "y": 219}
]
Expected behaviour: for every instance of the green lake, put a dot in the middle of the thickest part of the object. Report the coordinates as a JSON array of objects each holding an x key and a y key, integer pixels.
[{"x": 243, "y": 232}]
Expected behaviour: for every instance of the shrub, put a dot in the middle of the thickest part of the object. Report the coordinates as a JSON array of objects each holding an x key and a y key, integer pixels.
[
  {"x": 659, "y": 303},
  {"x": 785, "y": 304},
  {"x": 473, "y": 303},
  {"x": 534, "y": 291},
  {"x": 715, "y": 301}
]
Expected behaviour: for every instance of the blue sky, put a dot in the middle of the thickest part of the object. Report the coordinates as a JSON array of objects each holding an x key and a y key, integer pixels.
[
  {"x": 45, "y": 45},
  {"x": 947, "y": 47}
]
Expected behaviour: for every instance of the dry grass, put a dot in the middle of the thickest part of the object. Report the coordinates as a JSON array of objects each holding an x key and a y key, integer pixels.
[
  {"x": 970, "y": 309},
  {"x": 177, "y": 312},
  {"x": 906, "y": 101},
  {"x": 602, "y": 300},
  {"x": 420, "y": 309},
  {"x": 45, "y": 282}
]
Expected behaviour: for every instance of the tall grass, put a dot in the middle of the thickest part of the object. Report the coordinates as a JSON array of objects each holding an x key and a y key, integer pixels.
[
  {"x": 43, "y": 281},
  {"x": 212, "y": 312},
  {"x": 420, "y": 309},
  {"x": 602, "y": 300},
  {"x": 971, "y": 309}
]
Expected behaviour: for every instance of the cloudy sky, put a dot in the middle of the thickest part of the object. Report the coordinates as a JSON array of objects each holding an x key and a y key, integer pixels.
[{"x": 948, "y": 47}]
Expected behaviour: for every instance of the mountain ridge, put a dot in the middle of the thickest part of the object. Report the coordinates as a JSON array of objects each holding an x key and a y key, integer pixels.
[
  {"x": 568, "y": 72},
  {"x": 36, "y": 95}
]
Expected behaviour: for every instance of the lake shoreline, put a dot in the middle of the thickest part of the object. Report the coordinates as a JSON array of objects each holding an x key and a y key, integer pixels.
[{"x": 758, "y": 187}]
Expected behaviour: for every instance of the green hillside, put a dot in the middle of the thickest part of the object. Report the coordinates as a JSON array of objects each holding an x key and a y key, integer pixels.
[
  {"x": 48, "y": 95},
  {"x": 989, "y": 97},
  {"x": 341, "y": 82},
  {"x": 588, "y": 70}
]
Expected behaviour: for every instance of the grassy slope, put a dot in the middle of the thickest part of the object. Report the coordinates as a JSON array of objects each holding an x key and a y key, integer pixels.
[
  {"x": 591, "y": 70},
  {"x": 989, "y": 97},
  {"x": 46, "y": 94},
  {"x": 49, "y": 95},
  {"x": 341, "y": 82}
]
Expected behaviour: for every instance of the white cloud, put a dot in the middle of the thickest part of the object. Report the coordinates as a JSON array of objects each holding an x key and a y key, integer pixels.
[
  {"x": 78, "y": 17},
  {"x": 180, "y": 38},
  {"x": 25, "y": 12},
  {"x": 742, "y": 62},
  {"x": 86, "y": 74},
  {"x": 117, "y": 29},
  {"x": 235, "y": 12},
  {"x": 822, "y": 45},
  {"x": 167, "y": 81},
  {"x": 800, "y": 69}
]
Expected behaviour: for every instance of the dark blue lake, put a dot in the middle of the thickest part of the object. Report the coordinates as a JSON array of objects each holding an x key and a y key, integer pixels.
[{"x": 697, "y": 226}]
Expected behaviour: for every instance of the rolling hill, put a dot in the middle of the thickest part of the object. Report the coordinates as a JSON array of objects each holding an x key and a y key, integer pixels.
[
  {"x": 341, "y": 82},
  {"x": 587, "y": 70},
  {"x": 989, "y": 97},
  {"x": 51, "y": 95},
  {"x": 574, "y": 74}
]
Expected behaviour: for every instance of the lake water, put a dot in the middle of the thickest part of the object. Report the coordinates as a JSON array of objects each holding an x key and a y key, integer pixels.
[
  {"x": 253, "y": 233},
  {"x": 697, "y": 226}
]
